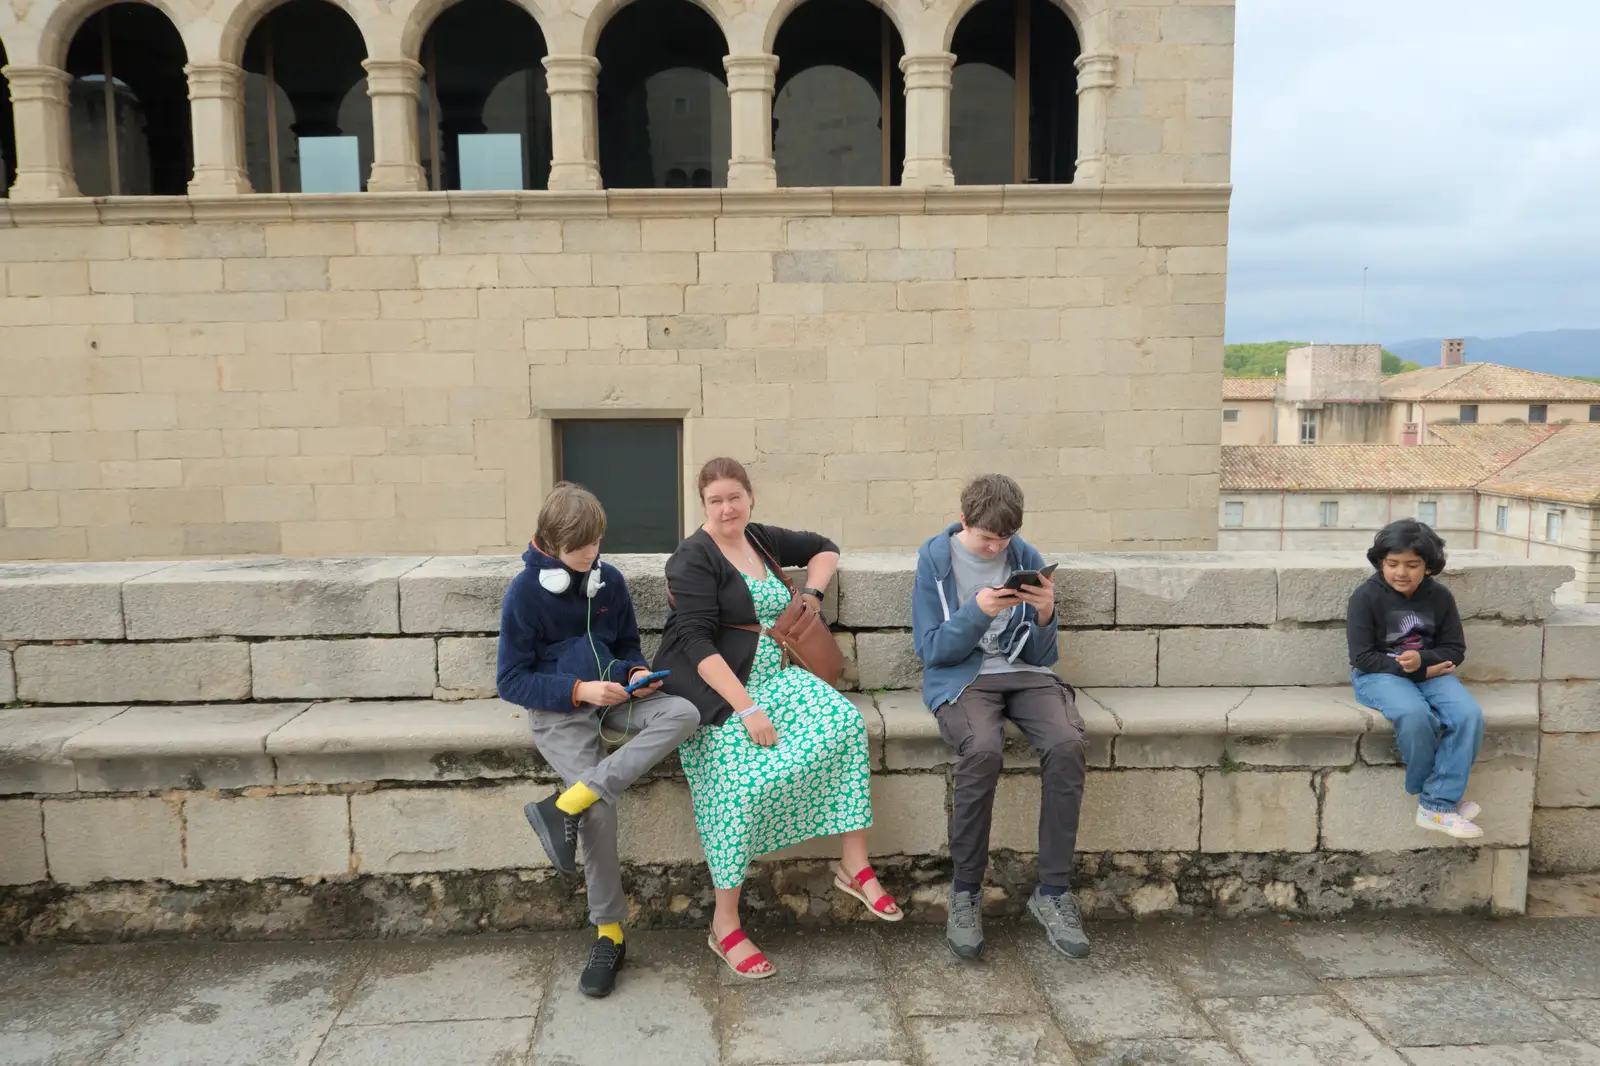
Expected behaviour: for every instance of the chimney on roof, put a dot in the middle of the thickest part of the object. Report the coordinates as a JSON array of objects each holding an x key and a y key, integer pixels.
[{"x": 1453, "y": 352}]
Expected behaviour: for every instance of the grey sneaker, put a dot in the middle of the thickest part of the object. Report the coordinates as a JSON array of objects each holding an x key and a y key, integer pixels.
[
  {"x": 963, "y": 931},
  {"x": 1063, "y": 924}
]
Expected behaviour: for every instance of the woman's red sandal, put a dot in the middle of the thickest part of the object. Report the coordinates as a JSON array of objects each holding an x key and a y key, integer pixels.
[
  {"x": 885, "y": 908},
  {"x": 743, "y": 969}
]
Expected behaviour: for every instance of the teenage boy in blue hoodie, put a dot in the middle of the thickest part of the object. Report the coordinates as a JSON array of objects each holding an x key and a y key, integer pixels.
[
  {"x": 569, "y": 644},
  {"x": 986, "y": 655}
]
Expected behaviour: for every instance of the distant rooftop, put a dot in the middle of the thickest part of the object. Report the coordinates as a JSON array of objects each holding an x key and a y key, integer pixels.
[
  {"x": 1250, "y": 388},
  {"x": 1486, "y": 382}
]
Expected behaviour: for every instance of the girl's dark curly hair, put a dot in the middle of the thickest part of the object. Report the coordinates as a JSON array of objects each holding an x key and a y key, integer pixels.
[{"x": 1408, "y": 535}]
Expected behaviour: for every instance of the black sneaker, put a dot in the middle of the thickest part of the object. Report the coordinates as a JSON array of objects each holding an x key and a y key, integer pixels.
[
  {"x": 605, "y": 959},
  {"x": 963, "y": 930},
  {"x": 1062, "y": 921},
  {"x": 558, "y": 832}
]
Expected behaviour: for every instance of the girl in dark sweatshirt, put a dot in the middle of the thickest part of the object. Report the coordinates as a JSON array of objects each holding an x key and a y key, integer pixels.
[{"x": 1405, "y": 642}]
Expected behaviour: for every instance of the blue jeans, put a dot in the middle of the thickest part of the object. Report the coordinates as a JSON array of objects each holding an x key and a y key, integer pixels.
[{"x": 1438, "y": 728}]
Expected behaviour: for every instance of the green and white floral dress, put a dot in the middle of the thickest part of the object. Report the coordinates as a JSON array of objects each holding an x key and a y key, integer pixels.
[{"x": 750, "y": 800}]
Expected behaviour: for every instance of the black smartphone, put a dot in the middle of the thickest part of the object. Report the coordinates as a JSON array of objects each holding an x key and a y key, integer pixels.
[{"x": 1027, "y": 577}]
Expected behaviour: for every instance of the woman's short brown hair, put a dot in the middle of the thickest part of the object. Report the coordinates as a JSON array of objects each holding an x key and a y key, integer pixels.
[
  {"x": 722, "y": 468},
  {"x": 992, "y": 503},
  {"x": 570, "y": 518}
]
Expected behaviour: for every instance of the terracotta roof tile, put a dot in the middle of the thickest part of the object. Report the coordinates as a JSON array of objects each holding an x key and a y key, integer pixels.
[
  {"x": 1566, "y": 467},
  {"x": 1250, "y": 388},
  {"x": 1486, "y": 382},
  {"x": 1502, "y": 443},
  {"x": 1351, "y": 467}
]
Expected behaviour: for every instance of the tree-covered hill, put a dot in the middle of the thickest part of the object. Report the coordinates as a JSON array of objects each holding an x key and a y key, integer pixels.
[{"x": 1267, "y": 360}]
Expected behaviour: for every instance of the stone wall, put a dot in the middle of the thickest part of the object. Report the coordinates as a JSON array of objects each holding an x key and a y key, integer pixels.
[
  {"x": 262, "y": 748},
  {"x": 381, "y": 375}
]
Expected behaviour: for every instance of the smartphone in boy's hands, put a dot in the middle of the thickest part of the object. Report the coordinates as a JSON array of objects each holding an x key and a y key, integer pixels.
[
  {"x": 1021, "y": 578},
  {"x": 645, "y": 680}
]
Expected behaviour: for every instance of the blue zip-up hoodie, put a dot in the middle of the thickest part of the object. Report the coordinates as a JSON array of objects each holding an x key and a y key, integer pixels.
[
  {"x": 545, "y": 649},
  {"x": 947, "y": 631}
]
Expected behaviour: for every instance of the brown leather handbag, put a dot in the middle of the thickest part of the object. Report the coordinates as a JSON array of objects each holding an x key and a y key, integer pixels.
[{"x": 802, "y": 634}]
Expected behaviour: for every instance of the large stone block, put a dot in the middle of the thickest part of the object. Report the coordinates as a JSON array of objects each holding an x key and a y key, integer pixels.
[
  {"x": 456, "y": 594},
  {"x": 1502, "y": 653},
  {"x": 467, "y": 667},
  {"x": 8, "y": 677},
  {"x": 1197, "y": 657},
  {"x": 1569, "y": 770},
  {"x": 1487, "y": 585},
  {"x": 647, "y": 587},
  {"x": 1169, "y": 727},
  {"x": 192, "y": 747},
  {"x": 65, "y": 601},
  {"x": 124, "y": 839},
  {"x": 133, "y": 673},
  {"x": 912, "y": 740},
  {"x": 875, "y": 590},
  {"x": 1508, "y": 892},
  {"x": 1317, "y": 587},
  {"x": 417, "y": 830},
  {"x": 266, "y": 598},
  {"x": 1295, "y": 727},
  {"x": 1566, "y": 840},
  {"x": 1258, "y": 812},
  {"x": 1571, "y": 644},
  {"x": 1176, "y": 590},
  {"x": 1086, "y": 590},
  {"x": 1107, "y": 658},
  {"x": 1366, "y": 808},
  {"x": 31, "y": 739},
  {"x": 887, "y": 660},
  {"x": 246, "y": 838},
  {"x": 1510, "y": 722},
  {"x": 655, "y": 825},
  {"x": 419, "y": 740},
  {"x": 908, "y": 814},
  {"x": 1569, "y": 706},
  {"x": 21, "y": 842},
  {"x": 1139, "y": 810},
  {"x": 374, "y": 668}
]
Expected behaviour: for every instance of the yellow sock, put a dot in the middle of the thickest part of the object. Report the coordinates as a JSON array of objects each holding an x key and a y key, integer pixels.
[
  {"x": 576, "y": 799},
  {"x": 613, "y": 932}
]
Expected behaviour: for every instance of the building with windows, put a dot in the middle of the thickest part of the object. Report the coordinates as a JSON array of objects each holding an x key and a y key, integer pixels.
[
  {"x": 1338, "y": 394},
  {"x": 1526, "y": 490},
  {"x": 313, "y": 278}
]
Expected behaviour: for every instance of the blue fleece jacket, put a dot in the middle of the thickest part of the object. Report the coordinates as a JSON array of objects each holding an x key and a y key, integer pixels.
[
  {"x": 947, "y": 631},
  {"x": 549, "y": 642}
]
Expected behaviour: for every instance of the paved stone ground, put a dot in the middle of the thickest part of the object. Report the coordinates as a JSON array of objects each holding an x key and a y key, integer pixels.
[{"x": 1428, "y": 992}]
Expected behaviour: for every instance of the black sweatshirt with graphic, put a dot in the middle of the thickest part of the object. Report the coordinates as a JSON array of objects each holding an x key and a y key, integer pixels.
[{"x": 1382, "y": 623}]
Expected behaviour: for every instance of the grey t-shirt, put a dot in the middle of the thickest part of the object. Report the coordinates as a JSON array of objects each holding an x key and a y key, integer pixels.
[{"x": 973, "y": 572}]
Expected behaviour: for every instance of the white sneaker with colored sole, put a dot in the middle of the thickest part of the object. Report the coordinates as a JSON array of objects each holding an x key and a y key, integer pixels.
[{"x": 1450, "y": 823}]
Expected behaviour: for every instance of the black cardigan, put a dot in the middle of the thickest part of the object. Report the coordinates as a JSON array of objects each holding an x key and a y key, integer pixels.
[{"x": 707, "y": 593}]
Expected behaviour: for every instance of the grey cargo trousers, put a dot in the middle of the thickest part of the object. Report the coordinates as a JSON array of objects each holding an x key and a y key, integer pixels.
[{"x": 570, "y": 742}]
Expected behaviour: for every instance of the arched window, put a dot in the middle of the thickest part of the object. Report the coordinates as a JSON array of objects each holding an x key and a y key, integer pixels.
[
  {"x": 485, "y": 117},
  {"x": 130, "y": 104},
  {"x": 1014, "y": 95},
  {"x": 663, "y": 98},
  {"x": 308, "y": 119},
  {"x": 8, "y": 132},
  {"x": 839, "y": 114}
]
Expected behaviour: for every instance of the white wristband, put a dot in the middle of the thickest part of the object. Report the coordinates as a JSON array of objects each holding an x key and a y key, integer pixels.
[{"x": 754, "y": 708}]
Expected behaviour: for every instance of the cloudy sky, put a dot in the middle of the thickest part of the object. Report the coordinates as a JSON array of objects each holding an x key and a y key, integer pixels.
[{"x": 1452, "y": 146}]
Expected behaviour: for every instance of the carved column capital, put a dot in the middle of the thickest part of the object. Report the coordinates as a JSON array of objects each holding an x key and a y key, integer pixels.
[
  {"x": 929, "y": 71},
  {"x": 757, "y": 73},
  {"x": 30, "y": 84},
  {"x": 40, "y": 109},
  {"x": 215, "y": 81},
  {"x": 393, "y": 77},
  {"x": 1096, "y": 70},
  {"x": 570, "y": 74}
]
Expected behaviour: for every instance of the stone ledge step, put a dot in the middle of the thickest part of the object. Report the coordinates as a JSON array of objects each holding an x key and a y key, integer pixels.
[{"x": 125, "y": 748}]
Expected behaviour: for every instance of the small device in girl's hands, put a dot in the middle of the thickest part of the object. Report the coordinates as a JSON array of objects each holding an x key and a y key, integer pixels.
[{"x": 644, "y": 680}]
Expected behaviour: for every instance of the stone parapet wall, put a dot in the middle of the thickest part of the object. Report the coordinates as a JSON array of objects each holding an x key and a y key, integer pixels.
[{"x": 268, "y": 733}]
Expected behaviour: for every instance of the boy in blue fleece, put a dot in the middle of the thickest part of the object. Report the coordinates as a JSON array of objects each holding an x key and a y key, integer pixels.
[
  {"x": 569, "y": 642},
  {"x": 986, "y": 656}
]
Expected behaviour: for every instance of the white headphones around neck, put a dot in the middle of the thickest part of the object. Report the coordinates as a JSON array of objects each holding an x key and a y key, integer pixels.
[{"x": 559, "y": 580}]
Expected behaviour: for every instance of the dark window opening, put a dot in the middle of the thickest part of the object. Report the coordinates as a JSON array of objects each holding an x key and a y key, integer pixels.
[
  {"x": 1538, "y": 412},
  {"x": 308, "y": 119},
  {"x": 634, "y": 466},
  {"x": 838, "y": 113},
  {"x": 8, "y": 132},
  {"x": 1230, "y": 414},
  {"x": 663, "y": 98},
  {"x": 1308, "y": 427},
  {"x": 1469, "y": 413},
  {"x": 1014, "y": 95},
  {"x": 1594, "y": 412},
  {"x": 485, "y": 110},
  {"x": 130, "y": 104}
]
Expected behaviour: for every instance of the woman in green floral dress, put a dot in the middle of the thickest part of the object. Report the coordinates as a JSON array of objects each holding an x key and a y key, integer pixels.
[{"x": 782, "y": 756}]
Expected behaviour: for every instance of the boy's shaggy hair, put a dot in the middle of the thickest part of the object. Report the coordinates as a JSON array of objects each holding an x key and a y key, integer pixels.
[
  {"x": 570, "y": 517},
  {"x": 1408, "y": 535},
  {"x": 992, "y": 503}
]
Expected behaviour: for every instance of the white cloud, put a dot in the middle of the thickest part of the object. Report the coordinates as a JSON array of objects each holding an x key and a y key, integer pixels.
[{"x": 1452, "y": 146}]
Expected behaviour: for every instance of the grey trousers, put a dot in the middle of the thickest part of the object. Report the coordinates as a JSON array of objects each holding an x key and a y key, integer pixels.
[
  {"x": 975, "y": 726},
  {"x": 570, "y": 742}
]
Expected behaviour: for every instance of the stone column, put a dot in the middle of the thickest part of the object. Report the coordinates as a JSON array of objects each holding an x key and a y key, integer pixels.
[
  {"x": 750, "y": 83},
  {"x": 574, "y": 145},
  {"x": 927, "y": 120},
  {"x": 1097, "y": 74},
  {"x": 41, "y": 113},
  {"x": 216, "y": 108},
  {"x": 394, "y": 86}
]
